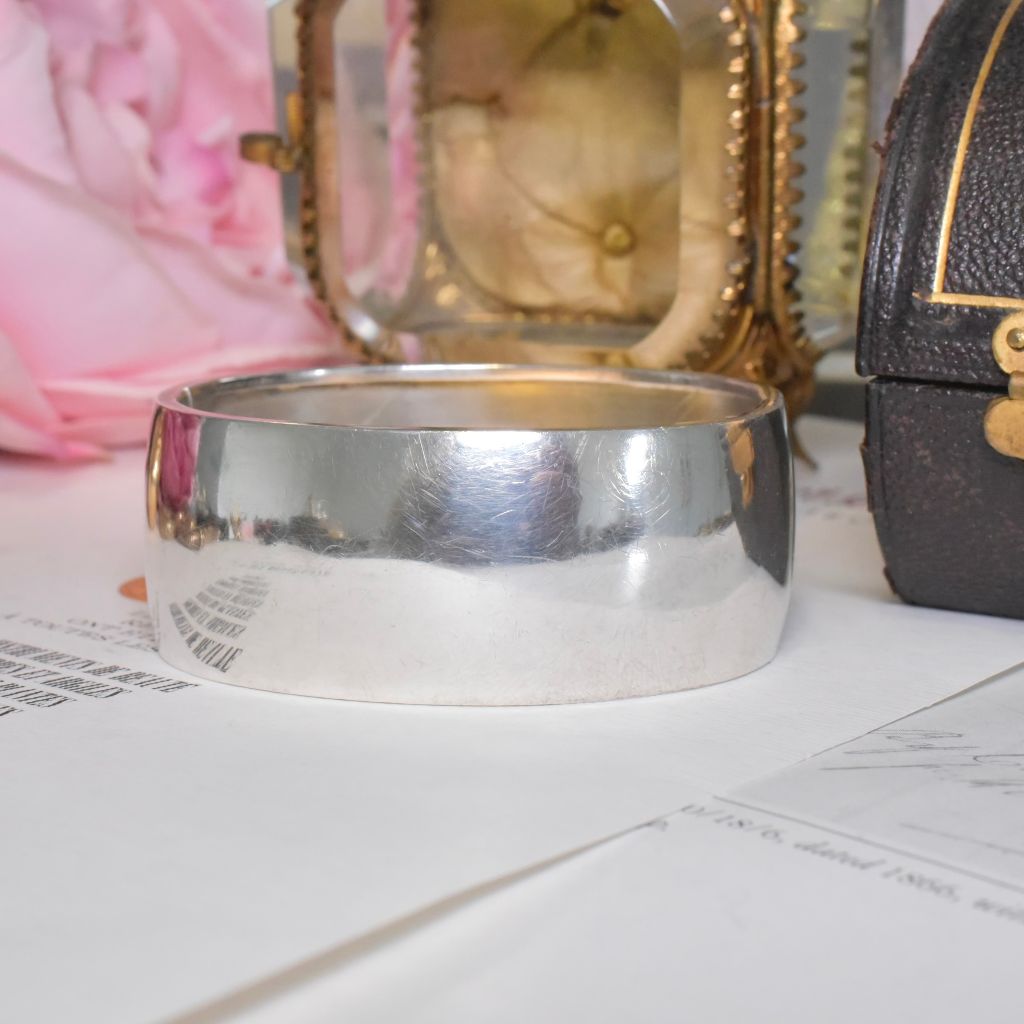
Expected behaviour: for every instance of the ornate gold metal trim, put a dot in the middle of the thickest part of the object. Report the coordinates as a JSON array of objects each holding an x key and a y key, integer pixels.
[
  {"x": 1004, "y": 418},
  {"x": 757, "y": 334},
  {"x": 768, "y": 343}
]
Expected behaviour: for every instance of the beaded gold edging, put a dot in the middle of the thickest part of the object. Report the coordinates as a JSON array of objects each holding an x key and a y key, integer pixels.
[
  {"x": 309, "y": 232},
  {"x": 314, "y": 25},
  {"x": 737, "y": 270},
  {"x": 767, "y": 342}
]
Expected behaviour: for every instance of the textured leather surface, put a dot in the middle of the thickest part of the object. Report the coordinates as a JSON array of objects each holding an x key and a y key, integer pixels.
[
  {"x": 902, "y": 333},
  {"x": 949, "y": 510}
]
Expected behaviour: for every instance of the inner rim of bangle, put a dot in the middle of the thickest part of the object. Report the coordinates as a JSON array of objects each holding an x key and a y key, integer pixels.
[{"x": 531, "y": 399}]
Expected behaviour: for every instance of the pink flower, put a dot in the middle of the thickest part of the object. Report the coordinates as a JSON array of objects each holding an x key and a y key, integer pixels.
[
  {"x": 178, "y": 460},
  {"x": 137, "y": 249}
]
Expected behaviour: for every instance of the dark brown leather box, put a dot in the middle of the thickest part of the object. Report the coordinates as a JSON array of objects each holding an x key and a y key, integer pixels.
[{"x": 941, "y": 306}]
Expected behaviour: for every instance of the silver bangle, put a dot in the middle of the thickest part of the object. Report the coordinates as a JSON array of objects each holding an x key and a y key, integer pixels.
[{"x": 470, "y": 535}]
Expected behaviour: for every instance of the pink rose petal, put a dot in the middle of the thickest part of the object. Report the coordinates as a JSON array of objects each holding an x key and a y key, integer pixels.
[{"x": 137, "y": 248}]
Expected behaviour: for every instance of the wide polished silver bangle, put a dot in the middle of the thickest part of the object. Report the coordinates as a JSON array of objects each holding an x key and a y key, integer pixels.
[{"x": 470, "y": 534}]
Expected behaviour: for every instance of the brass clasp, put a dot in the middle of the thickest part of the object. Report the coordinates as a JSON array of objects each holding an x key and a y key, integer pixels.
[
  {"x": 282, "y": 154},
  {"x": 1004, "y": 418}
]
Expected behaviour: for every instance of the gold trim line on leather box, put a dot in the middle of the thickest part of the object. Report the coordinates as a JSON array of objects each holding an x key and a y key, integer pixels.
[{"x": 939, "y": 295}]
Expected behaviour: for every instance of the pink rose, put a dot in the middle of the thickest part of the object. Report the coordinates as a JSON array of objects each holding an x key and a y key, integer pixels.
[
  {"x": 178, "y": 460},
  {"x": 137, "y": 249}
]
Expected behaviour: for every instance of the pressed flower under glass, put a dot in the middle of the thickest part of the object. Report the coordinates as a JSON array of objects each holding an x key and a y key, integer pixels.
[{"x": 605, "y": 182}]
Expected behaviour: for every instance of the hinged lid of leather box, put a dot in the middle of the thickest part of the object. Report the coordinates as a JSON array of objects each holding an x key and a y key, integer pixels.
[
  {"x": 945, "y": 261},
  {"x": 942, "y": 319}
]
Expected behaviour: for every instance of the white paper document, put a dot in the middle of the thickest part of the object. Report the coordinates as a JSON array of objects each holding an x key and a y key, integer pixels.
[
  {"x": 174, "y": 840},
  {"x": 947, "y": 783},
  {"x": 719, "y": 914}
]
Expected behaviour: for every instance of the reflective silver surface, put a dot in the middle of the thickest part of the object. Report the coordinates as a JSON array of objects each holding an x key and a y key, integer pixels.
[{"x": 470, "y": 535}]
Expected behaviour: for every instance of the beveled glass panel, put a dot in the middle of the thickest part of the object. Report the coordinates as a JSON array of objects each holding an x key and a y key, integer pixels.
[
  {"x": 375, "y": 95},
  {"x": 852, "y": 69},
  {"x": 536, "y": 172}
]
